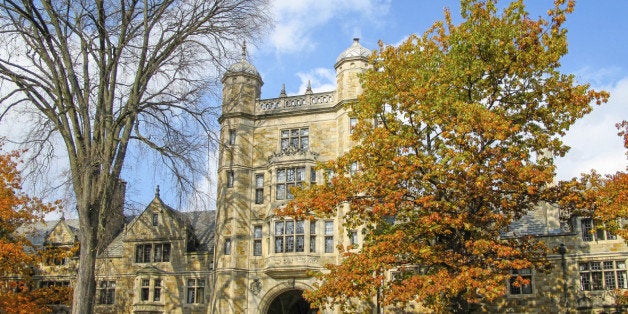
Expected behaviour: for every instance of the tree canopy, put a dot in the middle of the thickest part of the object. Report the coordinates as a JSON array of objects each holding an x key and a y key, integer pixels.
[
  {"x": 100, "y": 75},
  {"x": 18, "y": 256},
  {"x": 456, "y": 134}
]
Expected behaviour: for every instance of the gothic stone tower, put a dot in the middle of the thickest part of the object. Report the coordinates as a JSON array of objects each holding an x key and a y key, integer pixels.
[{"x": 267, "y": 147}]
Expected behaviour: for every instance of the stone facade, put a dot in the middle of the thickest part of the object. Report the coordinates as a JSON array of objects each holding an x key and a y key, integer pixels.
[{"x": 249, "y": 261}]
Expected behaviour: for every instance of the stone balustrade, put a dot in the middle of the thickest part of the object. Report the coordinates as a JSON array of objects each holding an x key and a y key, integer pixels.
[{"x": 300, "y": 102}]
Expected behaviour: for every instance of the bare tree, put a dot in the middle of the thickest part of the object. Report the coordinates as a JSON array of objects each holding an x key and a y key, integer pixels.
[{"x": 104, "y": 74}]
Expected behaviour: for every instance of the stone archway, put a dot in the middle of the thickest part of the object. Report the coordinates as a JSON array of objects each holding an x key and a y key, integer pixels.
[{"x": 290, "y": 302}]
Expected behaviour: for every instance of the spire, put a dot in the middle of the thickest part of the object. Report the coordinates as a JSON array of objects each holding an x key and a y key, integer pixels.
[
  {"x": 283, "y": 91},
  {"x": 308, "y": 89}
]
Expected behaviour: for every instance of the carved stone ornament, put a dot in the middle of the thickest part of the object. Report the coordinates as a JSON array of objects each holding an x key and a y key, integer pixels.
[{"x": 256, "y": 286}]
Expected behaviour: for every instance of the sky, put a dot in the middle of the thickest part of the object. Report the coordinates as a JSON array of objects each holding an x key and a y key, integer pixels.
[{"x": 308, "y": 35}]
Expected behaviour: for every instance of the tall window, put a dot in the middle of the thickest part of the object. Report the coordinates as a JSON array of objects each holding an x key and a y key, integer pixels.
[
  {"x": 232, "y": 137},
  {"x": 162, "y": 252},
  {"x": 289, "y": 236},
  {"x": 227, "y": 246},
  {"x": 352, "y": 123},
  {"x": 106, "y": 292},
  {"x": 155, "y": 219},
  {"x": 143, "y": 252},
  {"x": 602, "y": 275},
  {"x": 515, "y": 286},
  {"x": 259, "y": 189},
  {"x": 196, "y": 290},
  {"x": 329, "y": 236},
  {"x": 257, "y": 240},
  {"x": 295, "y": 138},
  {"x": 145, "y": 290},
  {"x": 312, "y": 236},
  {"x": 590, "y": 232},
  {"x": 312, "y": 175},
  {"x": 288, "y": 178},
  {"x": 157, "y": 290},
  {"x": 353, "y": 237},
  {"x": 230, "y": 179}
]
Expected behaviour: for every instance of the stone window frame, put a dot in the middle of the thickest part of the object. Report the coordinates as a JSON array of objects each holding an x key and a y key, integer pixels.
[
  {"x": 283, "y": 181},
  {"x": 353, "y": 122},
  {"x": 257, "y": 240},
  {"x": 600, "y": 275},
  {"x": 521, "y": 290},
  {"x": 230, "y": 178},
  {"x": 232, "y": 137},
  {"x": 106, "y": 292},
  {"x": 227, "y": 246},
  {"x": 195, "y": 290},
  {"x": 149, "y": 253},
  {"x": 590, "y": 232},
  {"x": 54, "y": 283},
  {"x": 150, "y": 289},
  {"x": 259, "y": 188},
  {"x": 313, "y": 236},
  {"x": 329, "y": 236},
  {"x": 302, "y": 241},
  {"x": 354, "y": 238},
  {"x": 294, "y": 138}
]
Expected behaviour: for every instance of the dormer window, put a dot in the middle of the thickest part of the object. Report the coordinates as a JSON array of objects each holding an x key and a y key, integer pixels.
[{"x": 295, "y": 139}]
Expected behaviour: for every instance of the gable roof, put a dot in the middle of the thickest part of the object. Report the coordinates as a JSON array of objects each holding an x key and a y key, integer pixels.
[{"x": 37, "y": 233}]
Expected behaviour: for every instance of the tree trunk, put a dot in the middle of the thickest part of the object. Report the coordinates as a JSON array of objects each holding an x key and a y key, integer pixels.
[
  {"x": 459, "y": 305},
  {"x": 85, "y": 287}
]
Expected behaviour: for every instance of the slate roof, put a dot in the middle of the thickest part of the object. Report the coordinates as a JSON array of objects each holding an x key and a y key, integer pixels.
[
  {"x": 201, "y": 222},
  {"x": 535, "y": 223},
  {"x": 38, "y": 231}
]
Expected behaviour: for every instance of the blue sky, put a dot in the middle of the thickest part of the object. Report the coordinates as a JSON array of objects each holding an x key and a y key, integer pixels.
[{"x": 310, "y": 34}]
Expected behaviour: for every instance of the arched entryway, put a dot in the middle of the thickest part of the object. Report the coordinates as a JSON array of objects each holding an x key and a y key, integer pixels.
[{"x": 290, "y": 302}]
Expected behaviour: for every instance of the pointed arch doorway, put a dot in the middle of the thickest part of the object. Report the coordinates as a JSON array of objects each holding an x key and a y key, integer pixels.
[{"x": 290, "y": 302}]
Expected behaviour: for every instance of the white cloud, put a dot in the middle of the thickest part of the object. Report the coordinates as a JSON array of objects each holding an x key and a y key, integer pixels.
[
  {"x": 321, "y": 79},
  {"x": 295, "y": 20},
  {"x": 594, "y": 141}
]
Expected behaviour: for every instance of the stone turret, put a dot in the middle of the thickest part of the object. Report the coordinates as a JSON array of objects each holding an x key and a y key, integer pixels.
[
  {"x": 242, "y": 85},
  {"x": 241, "y": 90},
  {"x": 350, "y": 63}
]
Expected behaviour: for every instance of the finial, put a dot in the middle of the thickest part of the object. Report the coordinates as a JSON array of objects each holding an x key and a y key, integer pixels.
[
  {"x": 157, "y": 191},
  {"x": 308, "y": 89},
  {"x": 62, "y": 216},
  {"x": 356, "y": 40},
  {"x": 244, "y": 49},
  {"x": 283, "y": 91}
]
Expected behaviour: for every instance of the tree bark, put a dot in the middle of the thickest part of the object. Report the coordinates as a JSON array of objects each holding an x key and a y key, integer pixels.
[
  {"x": 85, "y": 288},
  {"x": 102, "y": 75}
]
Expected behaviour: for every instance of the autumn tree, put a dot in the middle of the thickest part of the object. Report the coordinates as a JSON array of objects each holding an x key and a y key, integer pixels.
[
  {"x": 102, "y": 77},
  {"x": 456, "y": 133},
  {"x": 18, "y": 256}
]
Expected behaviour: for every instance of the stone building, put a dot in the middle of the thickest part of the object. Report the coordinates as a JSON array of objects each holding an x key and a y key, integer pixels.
[{"x": 246, "y": 260}]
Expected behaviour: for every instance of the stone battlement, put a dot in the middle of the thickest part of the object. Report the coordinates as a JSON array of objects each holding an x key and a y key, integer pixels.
[{"x": 290, "y": 103}]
